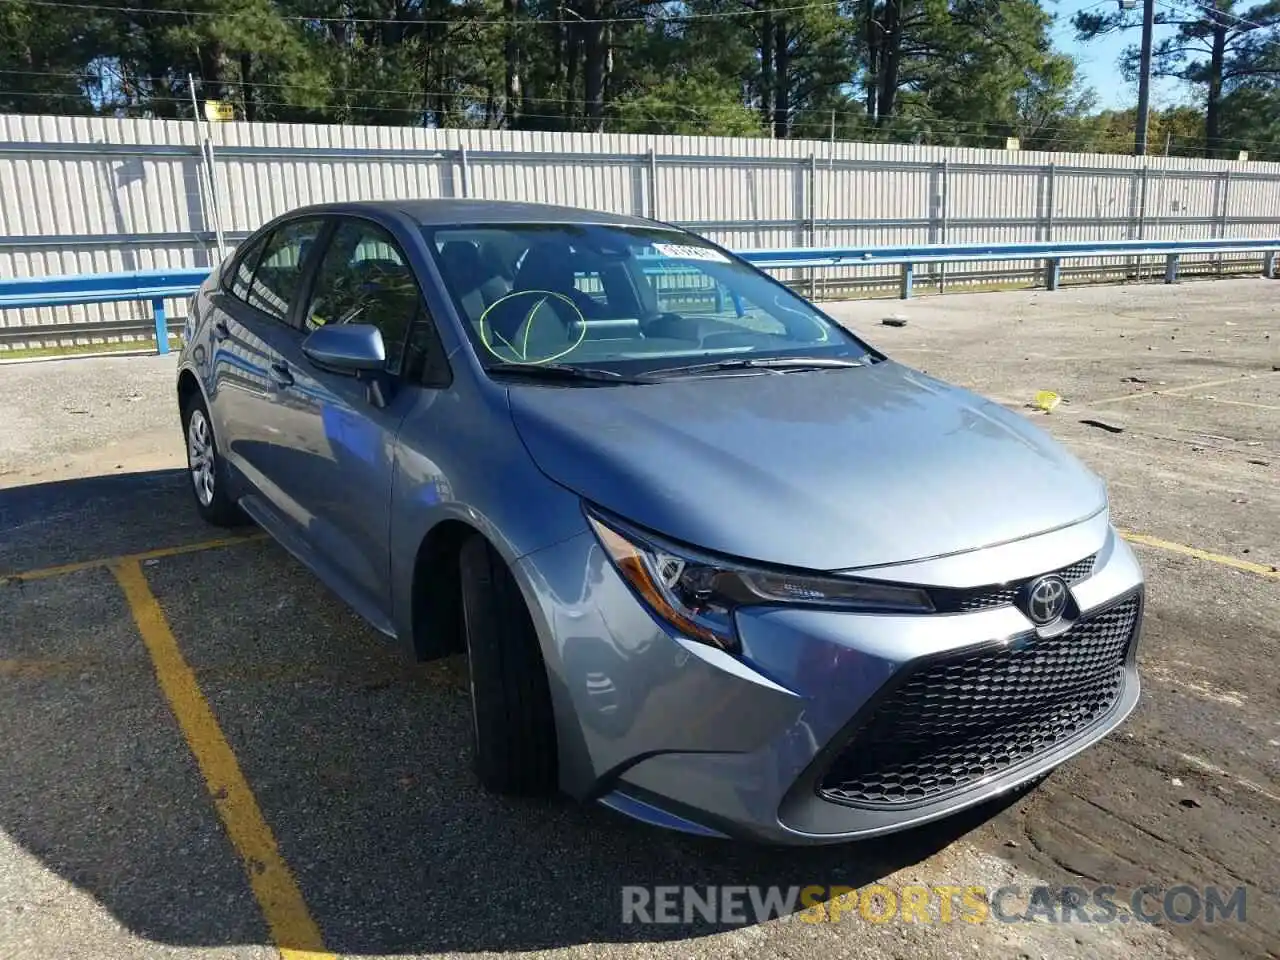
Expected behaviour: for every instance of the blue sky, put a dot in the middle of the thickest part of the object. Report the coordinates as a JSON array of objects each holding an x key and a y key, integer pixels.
[{"x": 1097, "y": 59}]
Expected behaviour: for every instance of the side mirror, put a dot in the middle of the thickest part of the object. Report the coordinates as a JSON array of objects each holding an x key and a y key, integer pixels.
[{"x": 347, "y": 348}]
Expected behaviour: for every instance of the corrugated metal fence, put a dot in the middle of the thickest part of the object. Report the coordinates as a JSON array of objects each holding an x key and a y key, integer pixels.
[{"x": 81, "y": 195}]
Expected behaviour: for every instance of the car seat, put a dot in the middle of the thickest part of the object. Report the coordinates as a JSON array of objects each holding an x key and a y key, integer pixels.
[
  {"x": 549, "y": 266},
  {"x": 476, "y": 286}
]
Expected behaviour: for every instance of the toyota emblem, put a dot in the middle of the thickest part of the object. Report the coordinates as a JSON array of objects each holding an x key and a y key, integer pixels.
[{"x": 1046, "y": 599}]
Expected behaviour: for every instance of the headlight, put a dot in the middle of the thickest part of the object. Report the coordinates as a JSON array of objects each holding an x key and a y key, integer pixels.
[{"x": 698, "y": 595}]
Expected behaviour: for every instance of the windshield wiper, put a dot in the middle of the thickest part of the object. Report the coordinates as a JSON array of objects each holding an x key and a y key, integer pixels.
[
  {"x": 560, "y": 371},
  {"x": 765, "y": 363}
]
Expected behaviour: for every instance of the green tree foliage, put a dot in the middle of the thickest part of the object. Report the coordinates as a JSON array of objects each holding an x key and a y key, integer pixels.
[
  {"x": 688, "y": 105},
  {"x": 1228, "y": 50},
  {"x": 42, "y": 68},
  {"x": 1177, "y": 131},
  {"x": 950, "y": 72},
  {"x": 970, "y": 72}
]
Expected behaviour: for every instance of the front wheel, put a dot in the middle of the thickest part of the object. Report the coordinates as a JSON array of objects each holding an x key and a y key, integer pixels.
[
  {"x": 512, "y": 721},
  {"x": 206, "y": 469}
]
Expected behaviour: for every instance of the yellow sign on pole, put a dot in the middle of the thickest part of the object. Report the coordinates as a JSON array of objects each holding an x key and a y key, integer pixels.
[
  {"x": 219, "y": 111},
  {"x": 1012, "y": 143}
]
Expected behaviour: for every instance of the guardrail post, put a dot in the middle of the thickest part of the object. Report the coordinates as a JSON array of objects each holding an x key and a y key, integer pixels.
[
  {"x": 1269, "y": 265},
  {"x": 908, "y": 277},
  {"x": 1171, "y": 268},
  {"x": 1052, "y": 273},
  {"x": 162, "y": 325}
]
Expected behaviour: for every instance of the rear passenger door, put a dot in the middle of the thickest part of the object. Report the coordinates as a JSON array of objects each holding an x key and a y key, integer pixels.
[
  {"x": 346, "y": 438},
  {"x": 250, "y": 341}
]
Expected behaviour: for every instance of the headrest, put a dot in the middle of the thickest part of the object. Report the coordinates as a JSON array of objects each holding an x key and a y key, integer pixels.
[{"x": 461, "y": 264}]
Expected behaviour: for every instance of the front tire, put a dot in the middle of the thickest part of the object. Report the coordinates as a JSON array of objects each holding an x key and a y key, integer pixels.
[
  {"x": 205, "y": 468},
  {"x": 512, "y": 721}
]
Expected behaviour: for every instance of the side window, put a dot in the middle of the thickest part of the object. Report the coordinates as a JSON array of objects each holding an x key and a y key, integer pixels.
[
  {"x": 279, "y": 271},
  {"x": 365, "y": 278},
  {"x": 237, "y": 280}
]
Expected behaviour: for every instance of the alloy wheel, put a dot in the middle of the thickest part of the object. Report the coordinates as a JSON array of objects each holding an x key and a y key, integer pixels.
[{"x": 200, "y": 456}]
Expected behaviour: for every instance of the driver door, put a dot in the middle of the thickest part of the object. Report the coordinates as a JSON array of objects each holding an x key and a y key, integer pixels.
[{"x": 346, "y": 433}]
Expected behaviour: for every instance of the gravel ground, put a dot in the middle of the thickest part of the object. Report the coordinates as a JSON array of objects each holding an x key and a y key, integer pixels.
[
  {"x": 110, "y": 847},
  {"x": 84, "y": 418}
]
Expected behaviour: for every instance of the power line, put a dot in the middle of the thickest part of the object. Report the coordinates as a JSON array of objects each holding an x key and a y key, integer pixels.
[
  {"x": 1089, "y": 144},
  {"x": 1215, "y": 11},
  {"x": 705, "y": 116},
  {"x": 705, "y": 121},
  {"x": 1081, "y": 144},
  {"x": 456, "y": 21},
  {"x": 1068, "y": 25},
  {"x": 921, "y": 124},
  {"x": 617, "y": 102},
  {"x": 248, "y": 86}
]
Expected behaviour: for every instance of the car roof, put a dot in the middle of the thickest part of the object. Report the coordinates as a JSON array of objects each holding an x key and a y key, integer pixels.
[{"x": 445, "y": 212}]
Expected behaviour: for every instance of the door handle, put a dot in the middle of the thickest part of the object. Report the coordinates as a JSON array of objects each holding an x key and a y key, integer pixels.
[
  {"x": 281, "y": 375},
  {"x": 220, "y": 330}
]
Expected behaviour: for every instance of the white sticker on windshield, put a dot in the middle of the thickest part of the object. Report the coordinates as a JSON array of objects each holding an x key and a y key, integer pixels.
[{"x": 681, "y": 251}]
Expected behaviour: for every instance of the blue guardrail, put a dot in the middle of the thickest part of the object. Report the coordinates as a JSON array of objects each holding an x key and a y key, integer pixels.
[{"x": 156, "y": 286}]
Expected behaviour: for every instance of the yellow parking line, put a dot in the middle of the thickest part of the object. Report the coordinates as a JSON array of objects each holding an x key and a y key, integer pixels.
[
  {"x": 1239, "y": 378},
  {"x": 45, "y": 572},
  {"x": 293, "y": 930},
  {"x": 1261, "y": 569}
]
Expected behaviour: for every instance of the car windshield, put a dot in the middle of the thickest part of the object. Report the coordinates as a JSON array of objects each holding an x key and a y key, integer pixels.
[{"x": 631, "y": 300}]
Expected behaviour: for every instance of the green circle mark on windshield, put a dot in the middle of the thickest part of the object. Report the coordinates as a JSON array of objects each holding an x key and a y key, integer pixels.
[{"x": 517, "y": 336}]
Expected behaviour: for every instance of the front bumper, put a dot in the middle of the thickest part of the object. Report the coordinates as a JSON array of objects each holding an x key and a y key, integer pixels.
[{"x": 685, "y": 736}]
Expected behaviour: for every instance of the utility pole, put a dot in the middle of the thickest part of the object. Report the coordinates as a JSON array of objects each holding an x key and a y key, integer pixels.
[{"x": 1144, "y": 79}]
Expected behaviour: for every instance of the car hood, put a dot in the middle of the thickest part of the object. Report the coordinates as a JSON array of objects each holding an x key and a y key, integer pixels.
[{"x": 826, "y": 470}]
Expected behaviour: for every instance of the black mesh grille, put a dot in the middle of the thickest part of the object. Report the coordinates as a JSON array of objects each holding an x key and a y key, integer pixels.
[
  {"x": 959, "y": 720},
  {"x": 947, "y": 600},
  {"x": 1078, "y": 570}
]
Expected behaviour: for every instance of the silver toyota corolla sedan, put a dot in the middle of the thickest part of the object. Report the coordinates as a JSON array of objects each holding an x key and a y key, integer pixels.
[{"x": 713, "y": 561}]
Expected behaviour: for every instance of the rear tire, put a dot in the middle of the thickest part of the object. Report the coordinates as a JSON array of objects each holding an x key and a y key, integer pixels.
[
  {"x": 206, "y": 472},
  {"x": 512, "y": 721}
]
